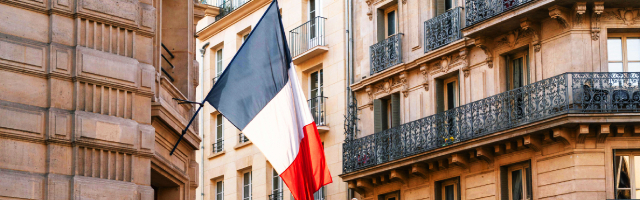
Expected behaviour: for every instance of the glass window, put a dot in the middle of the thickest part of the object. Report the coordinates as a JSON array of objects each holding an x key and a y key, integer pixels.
[
  {"x": 450, "y": 93},
  {"x": 317, "y": 97},
  {"x": 320, "y": 194},
  {"x": 218, "y": 144},
  {"x": 449, "y": 190},
  {"x": 244, "y": 37},
  {"x": 219, "y": 62},
  {"x": 391, "y": 23},
  {"x": 519, "y": 185},
  {"x": 626, "y": 166},
  {"x": 276, "y": 186},
  {"x": 219, "y": 190},
  {"x": 623, "y": 53},
  {"x": 448, "y": 4},
  {"x": 246, "y": 186}
]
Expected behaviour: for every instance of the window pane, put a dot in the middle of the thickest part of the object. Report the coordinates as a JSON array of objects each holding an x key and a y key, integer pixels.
[
  {"x": 615, "y": 67},
  {"x": 633, "y": 48},
  {"x": 448, "y": 192},
  {"x": 450, "y": 96},
  {"x": 516, "y": 185},
  {"x": 614, "y": 49},
  {"x": 391, "y": 20},
  {"x": 634, "y": 67},
  {"x": 621, "y": 167},
  {"x": 448, "y": 4},
  {"x": 623, "y": 194}
]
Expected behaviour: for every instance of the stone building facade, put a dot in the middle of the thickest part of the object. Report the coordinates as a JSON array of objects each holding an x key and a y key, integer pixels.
[
  {"x": 86, "y": 109},
  {"x": 233, "y": 167},
  {"x": 474, "y": 99}
]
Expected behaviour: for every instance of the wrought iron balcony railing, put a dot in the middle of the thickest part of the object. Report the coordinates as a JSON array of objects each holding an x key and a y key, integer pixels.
[
  {"x": 218, "y": 146},
  {"x": 242, "y": 138},
  {"x": 386, "y": 53},
  {"x": 318, "y": 110},
  {"x": 442, "y": 29},
  {"x": 596, "y": 92},
  {"x": 226, "y": 6},
  {"x": 306, "y": 36},
  {"x": 276, "y": 195},
  {"x": 480, "y": 10}
]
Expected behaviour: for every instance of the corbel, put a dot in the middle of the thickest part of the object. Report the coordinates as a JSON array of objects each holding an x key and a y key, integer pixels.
[
  {"x": 559, "y": 13},
  {"x": 369, "y": 91},
  {"x": 443, "y": 164},
  {"x": 583, "y": 131},
  {"x": 472, "y": 156},
  {"x": 481, "y": 43},
  {"x": 352, "y": 185},
  {"x": 419, "y": 169},
  {"x": 405, "y": 85},
  {"x": 603, "y": 132},
  {"x": 528, "y": 25},
  {"x": 548, "y": 137},
  {"x": 459, "y": 160},
  {"x": 485, "y": 154},
  {"x": 364, "y": 184},
  {"x": 636, "y": 129},
  {"x": 498, "y": 149},
  {"x": 383, "y": 179},
  {"x": 533, "y": 142},
  {"x": 579, "y": 9},
  {"x": 598, "y": 9},
  {"x": 433, "y": 166},
  {"x": 520, "y": 144},
  {"x": 398, "y": 175},
  {"x": 562, "y": 134},
  {"x": 509, "y": 147},
  {"x": 620, "y": 130},
  {"x": 424, "y": 70},
  {"x": 466, "y": 69}
]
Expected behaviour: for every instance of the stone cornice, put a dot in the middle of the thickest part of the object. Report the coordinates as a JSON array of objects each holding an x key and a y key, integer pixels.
[{"x": 235, "y": 16}]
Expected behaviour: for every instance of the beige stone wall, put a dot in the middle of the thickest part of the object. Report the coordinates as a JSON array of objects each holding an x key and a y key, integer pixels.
[
  {"x": 82, "y": 114},
  {"x": 238, "y": 158}
]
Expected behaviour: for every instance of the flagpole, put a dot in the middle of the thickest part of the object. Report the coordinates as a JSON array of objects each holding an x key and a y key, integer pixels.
[{"x": 184, "y": 131}]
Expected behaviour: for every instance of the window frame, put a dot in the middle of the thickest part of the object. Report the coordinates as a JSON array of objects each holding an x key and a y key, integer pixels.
[
  {"x": 274, "y": 175},
  {"x": 319, "y": 93},
  {"x": 634, "y": 187},
  {"x": 523, "y": 173},
  {"x": 244, "y": 185},
  {"x": 625, "y": 60},
  {"x": 523, "y": 69},
  {"x": 444, "y": 184},
  {"x": 219, "y": 126},
  {"x": 446, "y": 91},
  {"x": 219, "y": 61},
  {"x": 386, "y": 20},
  {"x": 221, "y": 191}
]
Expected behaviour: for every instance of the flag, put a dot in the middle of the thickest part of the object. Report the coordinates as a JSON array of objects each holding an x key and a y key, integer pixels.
[{"x": 260, "y": 94}]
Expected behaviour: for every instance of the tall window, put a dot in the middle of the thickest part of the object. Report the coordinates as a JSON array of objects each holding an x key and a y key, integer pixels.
[
  {"x": 276, "y": 186},
  {"x": 443, "y": 6},
  {"x": 244, "y": 37},
  {"x": 219, "y": 190},
  {"x": 246, "y": 186},
  {"x": 447, "y": 189},
  {"x": 386, "y": 112},
  {"x": 219, "y": 68},
  {"x": 390, "y": 21},
  {"x": 516, "y": 181},
  {"x": 316, "y": 103},
  {"x": 516, "y": 70},
  {"x": 218, "y": 145},
  {"x": 320, "y": 194},
  {"x": 623, "y": 53},
  {"x": 625, "y": 164},
  {"x": 450, "y": 93}
]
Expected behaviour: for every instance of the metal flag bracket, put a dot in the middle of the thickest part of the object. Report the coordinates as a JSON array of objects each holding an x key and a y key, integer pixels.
[{"x": 184, "y": 131}]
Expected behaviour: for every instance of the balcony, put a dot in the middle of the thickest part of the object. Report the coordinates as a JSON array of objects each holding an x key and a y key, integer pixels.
[
  {"x": 480, "y": 10},
  {"x": 308, "y": 40},
  {"x": 319, "y": 110},
  {"x": 218, "y": 146},
  {"x": 226, "y": 6},
  {"x": 386, "y": 53},
  {"x": 569, "y": 93},
  {"x": 442, "y": 29},
  {"x": 275, "y": 196}
]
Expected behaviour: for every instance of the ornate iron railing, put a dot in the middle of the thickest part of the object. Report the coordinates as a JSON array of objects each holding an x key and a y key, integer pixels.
[
  {"x": 275, "y": 196},
  {"x": 442, "y": 29},
  {"x": 597, "y": 92},
  {"x": 218, "y": 146},
  {"x": 242, "y": 138},
  {"x": 480, "y": 10},
  {"x": 228, "y": 6},
  {"x": 318, "y": 110},
  {"x": 306, "y": 36},
  {"x": 386, "y": 53}
]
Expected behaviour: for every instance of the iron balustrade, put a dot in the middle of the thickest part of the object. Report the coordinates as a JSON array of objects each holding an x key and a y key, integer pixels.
[
  {"x": 585, "y": 92},
  {"x": 480, "y": 10},
  {"x": 318, "y": 110},
  {"x": 242, "y": 138},
  {"x": 442, "y": 29},
  {"x": 228, "y": 6},
  {"x": 306, "y": 36},
  {"x": 275, "y": 196},
  {"x": 218, "y": 146},
  {"x": 386, "y": 53}
]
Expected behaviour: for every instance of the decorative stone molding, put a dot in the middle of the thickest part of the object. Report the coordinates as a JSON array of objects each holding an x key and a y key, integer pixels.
[
  {"x": 559, "y": 13},
  {"x": 466, "y": 69},
  {"x": 405, "y": 85},
  {"x": 369, "y": 91},
  {"x": 598, "y": 9},
  {"x": 628, "y": 15},
  {"x": 481, "y": 43},
  {"x": 369, "y": 12},
  {"x": 580, "y": 8},
  {"x": 510, "y": 38},
  {"x": 444, "y": 63},
  {"x": 533, "y": 29},
  {"x": 425, "y": 73}
]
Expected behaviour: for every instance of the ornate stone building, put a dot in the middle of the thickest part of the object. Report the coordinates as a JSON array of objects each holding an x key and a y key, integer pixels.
[
  {"x": 233, "y": 167},
  {"x": 86, "y": 109},
  {"x": 513, "y": 99}
]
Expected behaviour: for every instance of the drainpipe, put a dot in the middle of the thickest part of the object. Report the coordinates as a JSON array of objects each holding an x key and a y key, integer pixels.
[
  {"x": 200, "y": 117},
  {"x": 349, "y": 61}
]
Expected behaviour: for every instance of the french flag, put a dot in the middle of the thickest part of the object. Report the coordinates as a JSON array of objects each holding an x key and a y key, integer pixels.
[{"x": 260, "y": 94}]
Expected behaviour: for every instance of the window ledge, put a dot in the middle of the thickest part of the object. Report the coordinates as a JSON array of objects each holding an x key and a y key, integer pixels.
[
  {"x": 240, "y": 145},
  {"x": 323, "y": 129},
  {"x": 216, "y": 154},
  {"x": 313, "y": 52}
]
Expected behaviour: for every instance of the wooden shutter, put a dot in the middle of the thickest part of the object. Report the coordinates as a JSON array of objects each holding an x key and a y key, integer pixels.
[
  {"x": 379, "y": 115},
  {"x": 529, "y": 182},
  {"x": 438, "y": 190},
  {"x": 395, "y": 110},
  {"x": 504, "y": 182},
  {"x": 439, "y": 7},
  {"x": 458, "y": 189}
]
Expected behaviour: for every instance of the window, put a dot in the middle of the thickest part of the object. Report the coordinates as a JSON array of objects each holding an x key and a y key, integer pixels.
[
  {"x": 625, "y": 164},
  {"x": 518, "y": 181},
  {"x": 321, "y": 194},
  {"x": 444, "y": 5},
  {"x": 219, "y": 190},
  {"x": 386, "y": 112},
  {"x": 316, "y": 103},
  {"x": 219, "y": 67},
  {"x": 448, "y": 189},
  {"x": 450, "y": 93},
  {"x": 390, "y": 21},
  {"x": 218, "y": 145},
  {"x": 623, "y": 53},
  {"x": 391, "y": 196},
  {"x": 242, "y": 138},
  {"x": 246, "y": 186},
  {"x": 517, "y": 70},
  {"x": 276, "y": 186},
  {"x": 244, "y": 37}
]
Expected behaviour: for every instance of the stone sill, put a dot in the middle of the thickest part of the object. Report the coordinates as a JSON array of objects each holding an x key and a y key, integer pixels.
[
  {"x": 323, "y": 129},
  {"x": 240, "y": 145},
  {"x": 313, "y": 52},
  {"x": 216, "y": 154}
]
